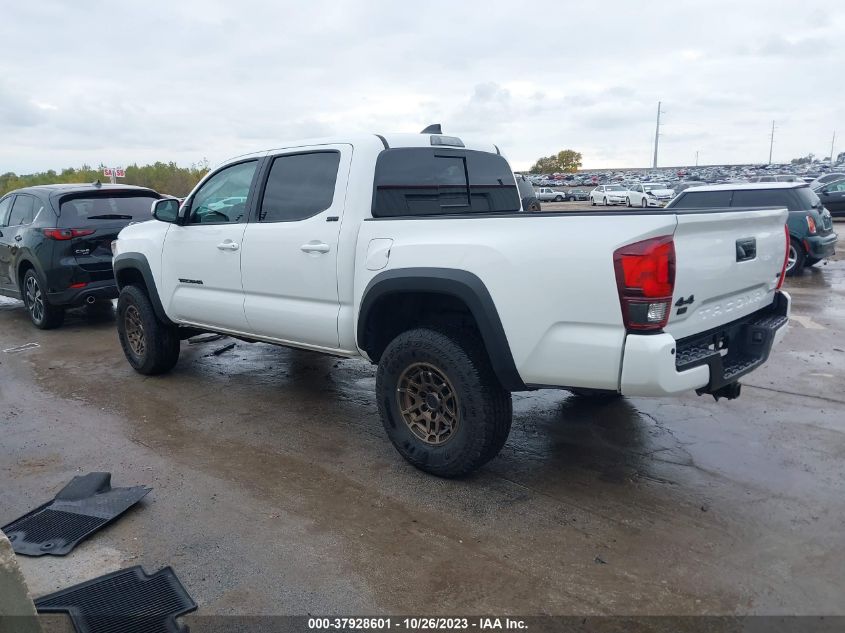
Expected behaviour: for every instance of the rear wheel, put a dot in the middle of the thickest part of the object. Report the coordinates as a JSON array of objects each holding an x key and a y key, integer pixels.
[
  {"x": 43, "y": 314},
  {"x": 605, "y": 201},
  {"x": 558, "y": 198},
  {"x": 440, "y": 402},
  {"x": 795, "y": 260},
  {"x": 627, "y": 202},
  {"x": 150, "y": 346}
]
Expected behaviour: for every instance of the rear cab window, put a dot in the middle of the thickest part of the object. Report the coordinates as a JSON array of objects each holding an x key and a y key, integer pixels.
[
  {"x": 87, "y": 209},
  {"x": 420, "y": 181}
]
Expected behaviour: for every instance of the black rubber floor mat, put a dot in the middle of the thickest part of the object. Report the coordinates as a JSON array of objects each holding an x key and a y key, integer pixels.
[
  {"x": 125, "y": 601},
  {"x": 84, "y": 506}
]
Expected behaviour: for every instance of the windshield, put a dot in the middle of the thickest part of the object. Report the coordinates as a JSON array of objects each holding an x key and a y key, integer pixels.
[
  {"x": 78, "y": 211},
  {"x": 615, "y": 188}
]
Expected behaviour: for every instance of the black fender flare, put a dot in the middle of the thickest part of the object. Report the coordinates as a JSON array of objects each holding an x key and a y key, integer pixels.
[
  {"x": 27, "y": 258},
  {"x": 460, "y": 284},
  {"x": 137, "y": 261}
]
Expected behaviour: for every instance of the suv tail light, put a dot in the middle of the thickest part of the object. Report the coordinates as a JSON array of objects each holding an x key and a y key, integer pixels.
[
  {"x": 66, "y": 234},
  {"x": 811, "y": 224},
  {"x": 785, "y": 258},
  {"x": 645, "y": 279}
]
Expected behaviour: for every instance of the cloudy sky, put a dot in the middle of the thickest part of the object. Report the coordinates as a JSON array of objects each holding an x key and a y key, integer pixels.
[{"x": 121, "y": 82}]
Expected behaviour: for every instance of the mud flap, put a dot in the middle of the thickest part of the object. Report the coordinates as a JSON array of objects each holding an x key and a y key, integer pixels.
[{"x": 82, "y": 507}]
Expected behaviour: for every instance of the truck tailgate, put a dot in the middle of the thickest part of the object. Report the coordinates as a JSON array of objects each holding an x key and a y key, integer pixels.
[{"x": 728, "y": 264}]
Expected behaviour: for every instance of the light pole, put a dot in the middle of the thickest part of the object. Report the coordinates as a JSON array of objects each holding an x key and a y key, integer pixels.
[
  {"x": 657, "y": 135},
  {"x": 771, "y": 142}
]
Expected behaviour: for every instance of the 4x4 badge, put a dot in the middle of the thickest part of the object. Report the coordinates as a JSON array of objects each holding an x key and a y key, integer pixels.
[{"x": 684, "y": 302}]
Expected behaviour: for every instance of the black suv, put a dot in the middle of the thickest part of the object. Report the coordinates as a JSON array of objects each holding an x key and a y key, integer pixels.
[{"x": 55, "y": 244}]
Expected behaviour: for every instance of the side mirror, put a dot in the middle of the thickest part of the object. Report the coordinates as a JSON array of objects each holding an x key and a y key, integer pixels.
[{"x": 166, "y": 209}]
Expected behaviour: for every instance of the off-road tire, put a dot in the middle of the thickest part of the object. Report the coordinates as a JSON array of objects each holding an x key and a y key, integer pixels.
[
  {"x": 161, "y": 341},
  {"x": 484, "y": 407},
  {"x": 43, "y": 314}
]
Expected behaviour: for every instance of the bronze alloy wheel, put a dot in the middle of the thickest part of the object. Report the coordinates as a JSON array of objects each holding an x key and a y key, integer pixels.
[
  {"x": 134, "y": 329},
  {"x": 428, "y": 403}
]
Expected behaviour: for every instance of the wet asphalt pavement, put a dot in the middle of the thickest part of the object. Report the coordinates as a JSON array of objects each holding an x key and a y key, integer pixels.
[{"x": 275, "y": 490}]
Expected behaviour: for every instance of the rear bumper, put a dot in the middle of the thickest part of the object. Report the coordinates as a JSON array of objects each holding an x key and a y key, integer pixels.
[
  {"x": 658, "y": 365},
  {"x": 821, "y": 246},
  {"x": 96, "y": 291}
]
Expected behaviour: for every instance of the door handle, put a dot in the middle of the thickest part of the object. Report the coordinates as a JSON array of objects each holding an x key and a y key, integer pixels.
[
  {"x": 315, "y": 247},
  {"x": 228, "y": 246}
]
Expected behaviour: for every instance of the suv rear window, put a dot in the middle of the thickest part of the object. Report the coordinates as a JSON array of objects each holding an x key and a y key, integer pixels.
[
  {"x": 703, "y": 200},
  {"x": 427, "y": 181},
  {"x": 75, "y": 211},
  {"x": 764, "y": 198}
]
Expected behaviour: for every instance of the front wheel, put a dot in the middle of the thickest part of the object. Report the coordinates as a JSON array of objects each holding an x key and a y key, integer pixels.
[
  {"x": 605, "y": 202},
  {"x": 43, "y": 314},
  {"x": 643, "y": 203},
  {"x": 627, "y": 202},
  {"x": 795, "y": 259},
  {"x": 592, "y": 201},
  {"x": 440, "y": 402},
  {"x": 150, "y": 346}
]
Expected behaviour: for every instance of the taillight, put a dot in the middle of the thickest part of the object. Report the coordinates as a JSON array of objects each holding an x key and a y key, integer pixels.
[
  {"x": 811, "y": 224},
  {"x": 785, "y": 258},
  {"x": 66, "y": 234},
  {"x": 645, "y": 279}
]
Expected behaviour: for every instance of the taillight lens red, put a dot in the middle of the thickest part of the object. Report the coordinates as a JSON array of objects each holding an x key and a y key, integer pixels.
[
  {"x": 785, "y": 258},
  {"x": 811, "y": 224},
  {"x": 66, "y": 234},
  {"x": 645, "y": 279}
]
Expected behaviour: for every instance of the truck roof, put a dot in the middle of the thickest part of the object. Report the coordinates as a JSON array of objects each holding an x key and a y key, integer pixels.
[{"x": 377, "y": 142}]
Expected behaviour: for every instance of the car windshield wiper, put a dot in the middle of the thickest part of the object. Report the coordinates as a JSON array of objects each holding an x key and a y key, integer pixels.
[{"x": 110, "y": 216}]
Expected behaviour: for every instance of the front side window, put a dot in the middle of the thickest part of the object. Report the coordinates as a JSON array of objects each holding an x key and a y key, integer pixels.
[
  {"x": 427, "y": 181},
  {"x": 299, "y": 186},
  {"x": 222, "y": 198},
  {"x": 23, "y": 211}
]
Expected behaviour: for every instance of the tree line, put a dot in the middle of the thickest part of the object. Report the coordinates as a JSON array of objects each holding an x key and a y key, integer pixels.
[
  {"x": 564, "y": 161},
  {"x": 167, "y": 178}
]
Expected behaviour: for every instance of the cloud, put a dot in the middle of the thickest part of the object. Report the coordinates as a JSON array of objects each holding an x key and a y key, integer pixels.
[{"x": 178, "y": 81}]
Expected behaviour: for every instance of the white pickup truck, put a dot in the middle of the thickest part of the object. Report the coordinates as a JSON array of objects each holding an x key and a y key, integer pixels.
[
  {"x": 546, "y": 194},
  {"x": 412, "y": 251}
]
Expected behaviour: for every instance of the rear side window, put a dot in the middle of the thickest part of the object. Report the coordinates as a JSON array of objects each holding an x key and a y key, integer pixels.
[
  {"x": 703, "y": 200},
  {"x": 426, "y": 181},
  {"x": 764, "y": 198},
  {"x": 84, "y": 210},
  {"x": 299, "y": 186},
  {"x": 23, "y": 211}
]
